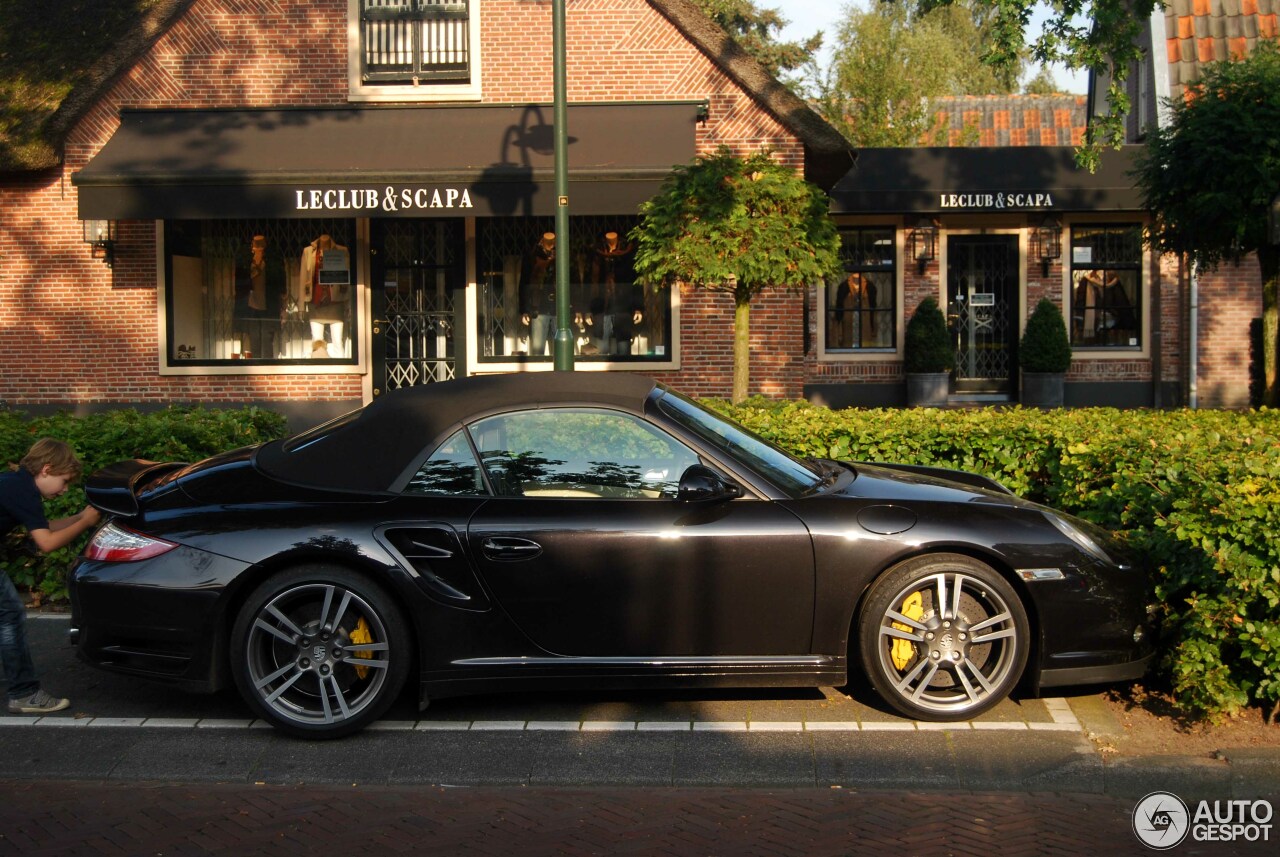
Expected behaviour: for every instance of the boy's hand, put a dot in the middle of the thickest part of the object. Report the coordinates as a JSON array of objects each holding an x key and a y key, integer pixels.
[{"x": 90, "y": 515}]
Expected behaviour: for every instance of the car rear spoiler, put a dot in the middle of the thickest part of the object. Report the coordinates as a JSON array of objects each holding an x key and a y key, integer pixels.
[
  {"x": 964, "y": 477},
  {"x": 114, "y": 488}
]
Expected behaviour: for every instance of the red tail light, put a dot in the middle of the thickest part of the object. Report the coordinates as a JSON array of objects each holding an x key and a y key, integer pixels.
[{"x": 114, "y": 543}]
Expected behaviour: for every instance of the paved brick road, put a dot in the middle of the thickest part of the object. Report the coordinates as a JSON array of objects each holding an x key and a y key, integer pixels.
[{"x": 69, "y": 818}]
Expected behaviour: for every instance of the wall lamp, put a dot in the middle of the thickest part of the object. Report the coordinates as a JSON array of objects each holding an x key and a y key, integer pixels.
[
  {"x": 924, "y": 242},
  {"x": 101, "y": 236},
  {"x": 1046, "y": 241}
]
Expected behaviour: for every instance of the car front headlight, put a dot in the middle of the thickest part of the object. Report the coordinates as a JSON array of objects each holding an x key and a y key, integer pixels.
[{"x": 1084, "y": 540}]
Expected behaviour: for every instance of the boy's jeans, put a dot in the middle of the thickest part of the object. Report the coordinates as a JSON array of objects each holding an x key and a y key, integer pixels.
[{"x": 15, "y": 655}]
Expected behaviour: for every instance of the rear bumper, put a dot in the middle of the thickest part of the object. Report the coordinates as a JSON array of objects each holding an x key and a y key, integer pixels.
[{"x": 144, "y": 619}]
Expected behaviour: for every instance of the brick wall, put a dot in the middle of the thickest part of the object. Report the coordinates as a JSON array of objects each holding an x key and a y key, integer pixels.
[
  {"x": 1230, "y": 298},
  {"x": 74, "y": 331}
]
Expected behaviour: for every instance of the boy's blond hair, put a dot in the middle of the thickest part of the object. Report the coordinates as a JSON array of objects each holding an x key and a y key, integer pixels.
[{"x": 56, "y": 454}]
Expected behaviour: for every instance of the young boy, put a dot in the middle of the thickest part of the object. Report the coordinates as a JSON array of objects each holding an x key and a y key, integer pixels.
[{"x": 44, "y": 472}]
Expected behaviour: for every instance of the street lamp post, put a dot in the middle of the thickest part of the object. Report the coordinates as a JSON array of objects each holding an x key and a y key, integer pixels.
[{"x": 563, "y": 347}]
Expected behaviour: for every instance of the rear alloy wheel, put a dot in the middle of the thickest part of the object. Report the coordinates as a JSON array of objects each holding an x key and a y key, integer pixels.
[
  {"x": 319, "y": 652},
  {"x": 943, "y": 637}
]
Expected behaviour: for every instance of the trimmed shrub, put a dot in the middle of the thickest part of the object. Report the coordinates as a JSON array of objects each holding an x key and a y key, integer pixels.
[
  {"x": 1196, "y": 493},
  {"x": 176, "y": 433},
  {"x": 927, "y": 346},
  {"x": 1045, "y": 346}
]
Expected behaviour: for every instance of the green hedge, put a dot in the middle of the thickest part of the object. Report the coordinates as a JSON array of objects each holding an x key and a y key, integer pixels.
[
  {"x": 1196, "y": 492},
  {"x": 173, "y": 434}
]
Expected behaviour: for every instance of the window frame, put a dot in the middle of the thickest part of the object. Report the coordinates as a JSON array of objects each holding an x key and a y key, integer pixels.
[
  {"x": 894, "y": 312},
  {"x": 558, "y": 414},
  {"x": 359, "y": 90},
  {"x": 169, "y": 364},
  {"x": 487, "y": 271},
  {"x": 1141, "y": 303}
]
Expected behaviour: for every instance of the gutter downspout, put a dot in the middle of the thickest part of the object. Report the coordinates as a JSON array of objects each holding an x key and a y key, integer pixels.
[{"x": 1193, "y": 344}]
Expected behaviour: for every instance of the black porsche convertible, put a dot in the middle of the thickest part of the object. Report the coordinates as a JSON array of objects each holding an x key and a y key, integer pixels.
[{"x": 585, "y": 530}]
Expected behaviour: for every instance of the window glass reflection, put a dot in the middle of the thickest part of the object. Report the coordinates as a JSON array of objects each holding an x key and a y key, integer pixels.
[{"x": 580, "y": 453}]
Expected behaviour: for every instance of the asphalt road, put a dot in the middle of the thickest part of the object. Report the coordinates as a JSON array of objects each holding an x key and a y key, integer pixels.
[{"x": 139, "y": 768}]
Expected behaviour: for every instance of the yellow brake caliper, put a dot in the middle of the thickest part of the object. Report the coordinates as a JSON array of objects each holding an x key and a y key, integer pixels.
[
  {"x": 361, "y": 635},
  {"x": 912, "y": 608}
]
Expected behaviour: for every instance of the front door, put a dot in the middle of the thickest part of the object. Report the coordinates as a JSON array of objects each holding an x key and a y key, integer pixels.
[
  {"x": 418, "y": 275},
  {"x": 982, "y": 292}
]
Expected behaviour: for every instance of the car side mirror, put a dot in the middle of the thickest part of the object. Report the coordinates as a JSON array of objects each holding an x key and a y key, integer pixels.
[{"x": 699, "y": 484}]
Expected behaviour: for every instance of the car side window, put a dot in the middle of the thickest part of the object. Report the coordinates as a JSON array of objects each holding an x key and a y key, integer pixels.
[
  {"x": 450, "y": 471},
  {"x": 580, "y": 452}
]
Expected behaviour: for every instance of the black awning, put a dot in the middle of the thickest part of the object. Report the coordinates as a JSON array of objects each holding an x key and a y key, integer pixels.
[
  {"x": 382, "y": 161},
  {"x": 987, "y": 179}
]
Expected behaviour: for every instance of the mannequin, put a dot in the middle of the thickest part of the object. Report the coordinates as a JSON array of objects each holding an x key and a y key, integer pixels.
[
  {"x": 259, "y": 286},
  {"x": 538, "y": 294},
  {"x": 325, "y": 303},
  {"x": 853, "y": 322},
  {"x": 615, "y": 305}
]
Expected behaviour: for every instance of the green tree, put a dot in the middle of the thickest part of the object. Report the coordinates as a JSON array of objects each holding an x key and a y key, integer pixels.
[
  {"x": 737, "y": 225},
  {"x": 893, "y": 58},
  {"x": 1042, "y": 84},
  {"x": 1099, "y": 35},
  {"x": 1211, "y": 173},
  {"x": 756, "y": 30}
]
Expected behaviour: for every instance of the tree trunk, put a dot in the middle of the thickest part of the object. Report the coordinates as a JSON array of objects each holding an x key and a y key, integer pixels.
[
  {"x": 1269, "y": 262},
  {"x": 741, "y": 347}
]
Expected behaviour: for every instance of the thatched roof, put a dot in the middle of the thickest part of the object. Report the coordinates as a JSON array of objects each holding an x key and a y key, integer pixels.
[{"x": 58, "y": 57}]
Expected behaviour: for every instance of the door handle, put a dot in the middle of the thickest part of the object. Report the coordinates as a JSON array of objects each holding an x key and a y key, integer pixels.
[{"x": 505, "y": 549}]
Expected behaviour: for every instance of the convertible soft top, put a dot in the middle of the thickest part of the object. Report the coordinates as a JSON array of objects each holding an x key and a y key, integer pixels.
[{"x": 370, "y": 449}]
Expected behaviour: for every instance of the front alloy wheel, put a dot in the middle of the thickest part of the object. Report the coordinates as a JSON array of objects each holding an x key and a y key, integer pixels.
[
  {"x": 943, "y": 637},
  {"x": 319, "y": 653}
]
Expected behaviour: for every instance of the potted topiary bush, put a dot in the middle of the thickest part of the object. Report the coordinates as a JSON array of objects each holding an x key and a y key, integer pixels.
[
  {"x": 1044, "y": 355},
  {"x": 929, "y": 356}
]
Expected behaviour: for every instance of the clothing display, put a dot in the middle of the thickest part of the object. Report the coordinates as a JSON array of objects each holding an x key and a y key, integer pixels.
[
  {"x": 325, "y": 279},
  {"x": 853, "y": 322},
  {"x": 617, "y": 307}
]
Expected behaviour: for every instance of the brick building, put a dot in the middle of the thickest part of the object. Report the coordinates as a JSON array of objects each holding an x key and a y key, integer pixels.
[
  {"x": 392, "y": 164},
  {"x": 305, "y": 204}
]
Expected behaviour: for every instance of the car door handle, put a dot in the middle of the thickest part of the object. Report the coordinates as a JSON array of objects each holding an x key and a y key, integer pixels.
[{"x": 506, "y": 549}]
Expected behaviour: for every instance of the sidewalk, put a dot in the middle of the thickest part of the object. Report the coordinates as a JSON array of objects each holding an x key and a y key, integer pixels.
[{"x": 96, "y": 818}]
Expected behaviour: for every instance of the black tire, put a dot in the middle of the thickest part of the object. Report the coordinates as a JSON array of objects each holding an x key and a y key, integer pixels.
[
  {"x": 294, "y": 660},
  {"x": 948, "y": 664}
]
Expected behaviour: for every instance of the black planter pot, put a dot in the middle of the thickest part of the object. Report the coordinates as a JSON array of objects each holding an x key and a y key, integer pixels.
[
  {"x": 1043, "y": 389},
  {"x": 928, "y": 389}
]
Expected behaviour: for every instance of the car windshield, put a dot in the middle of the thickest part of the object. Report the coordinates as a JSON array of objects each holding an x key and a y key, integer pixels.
[{"x": 782, "y": 469}]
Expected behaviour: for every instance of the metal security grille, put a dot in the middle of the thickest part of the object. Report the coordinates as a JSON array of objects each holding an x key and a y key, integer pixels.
[
  {"x": 416, "y": 270},
  {"x": 407, "y": 41},
  {"x": 982, "y": 274}
]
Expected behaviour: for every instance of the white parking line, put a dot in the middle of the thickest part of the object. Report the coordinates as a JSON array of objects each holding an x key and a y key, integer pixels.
[{"x": 565, "y": 725}]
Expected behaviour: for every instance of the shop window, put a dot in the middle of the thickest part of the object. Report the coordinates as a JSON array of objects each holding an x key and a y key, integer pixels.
[
  {"x": 414, "y": 49},
  {"x": 860, "y": 309},
  {"x": 613, "y": 318},
  {"x": 1106, "y": 286},
  {"x": 259, "y": 292}
]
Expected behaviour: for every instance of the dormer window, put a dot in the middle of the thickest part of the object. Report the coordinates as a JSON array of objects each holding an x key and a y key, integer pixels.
[{"x": 414, "y": 50}]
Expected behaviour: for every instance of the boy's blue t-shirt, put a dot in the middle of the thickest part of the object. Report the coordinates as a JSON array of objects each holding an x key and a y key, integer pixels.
[{"x": 20, "y": 502}]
